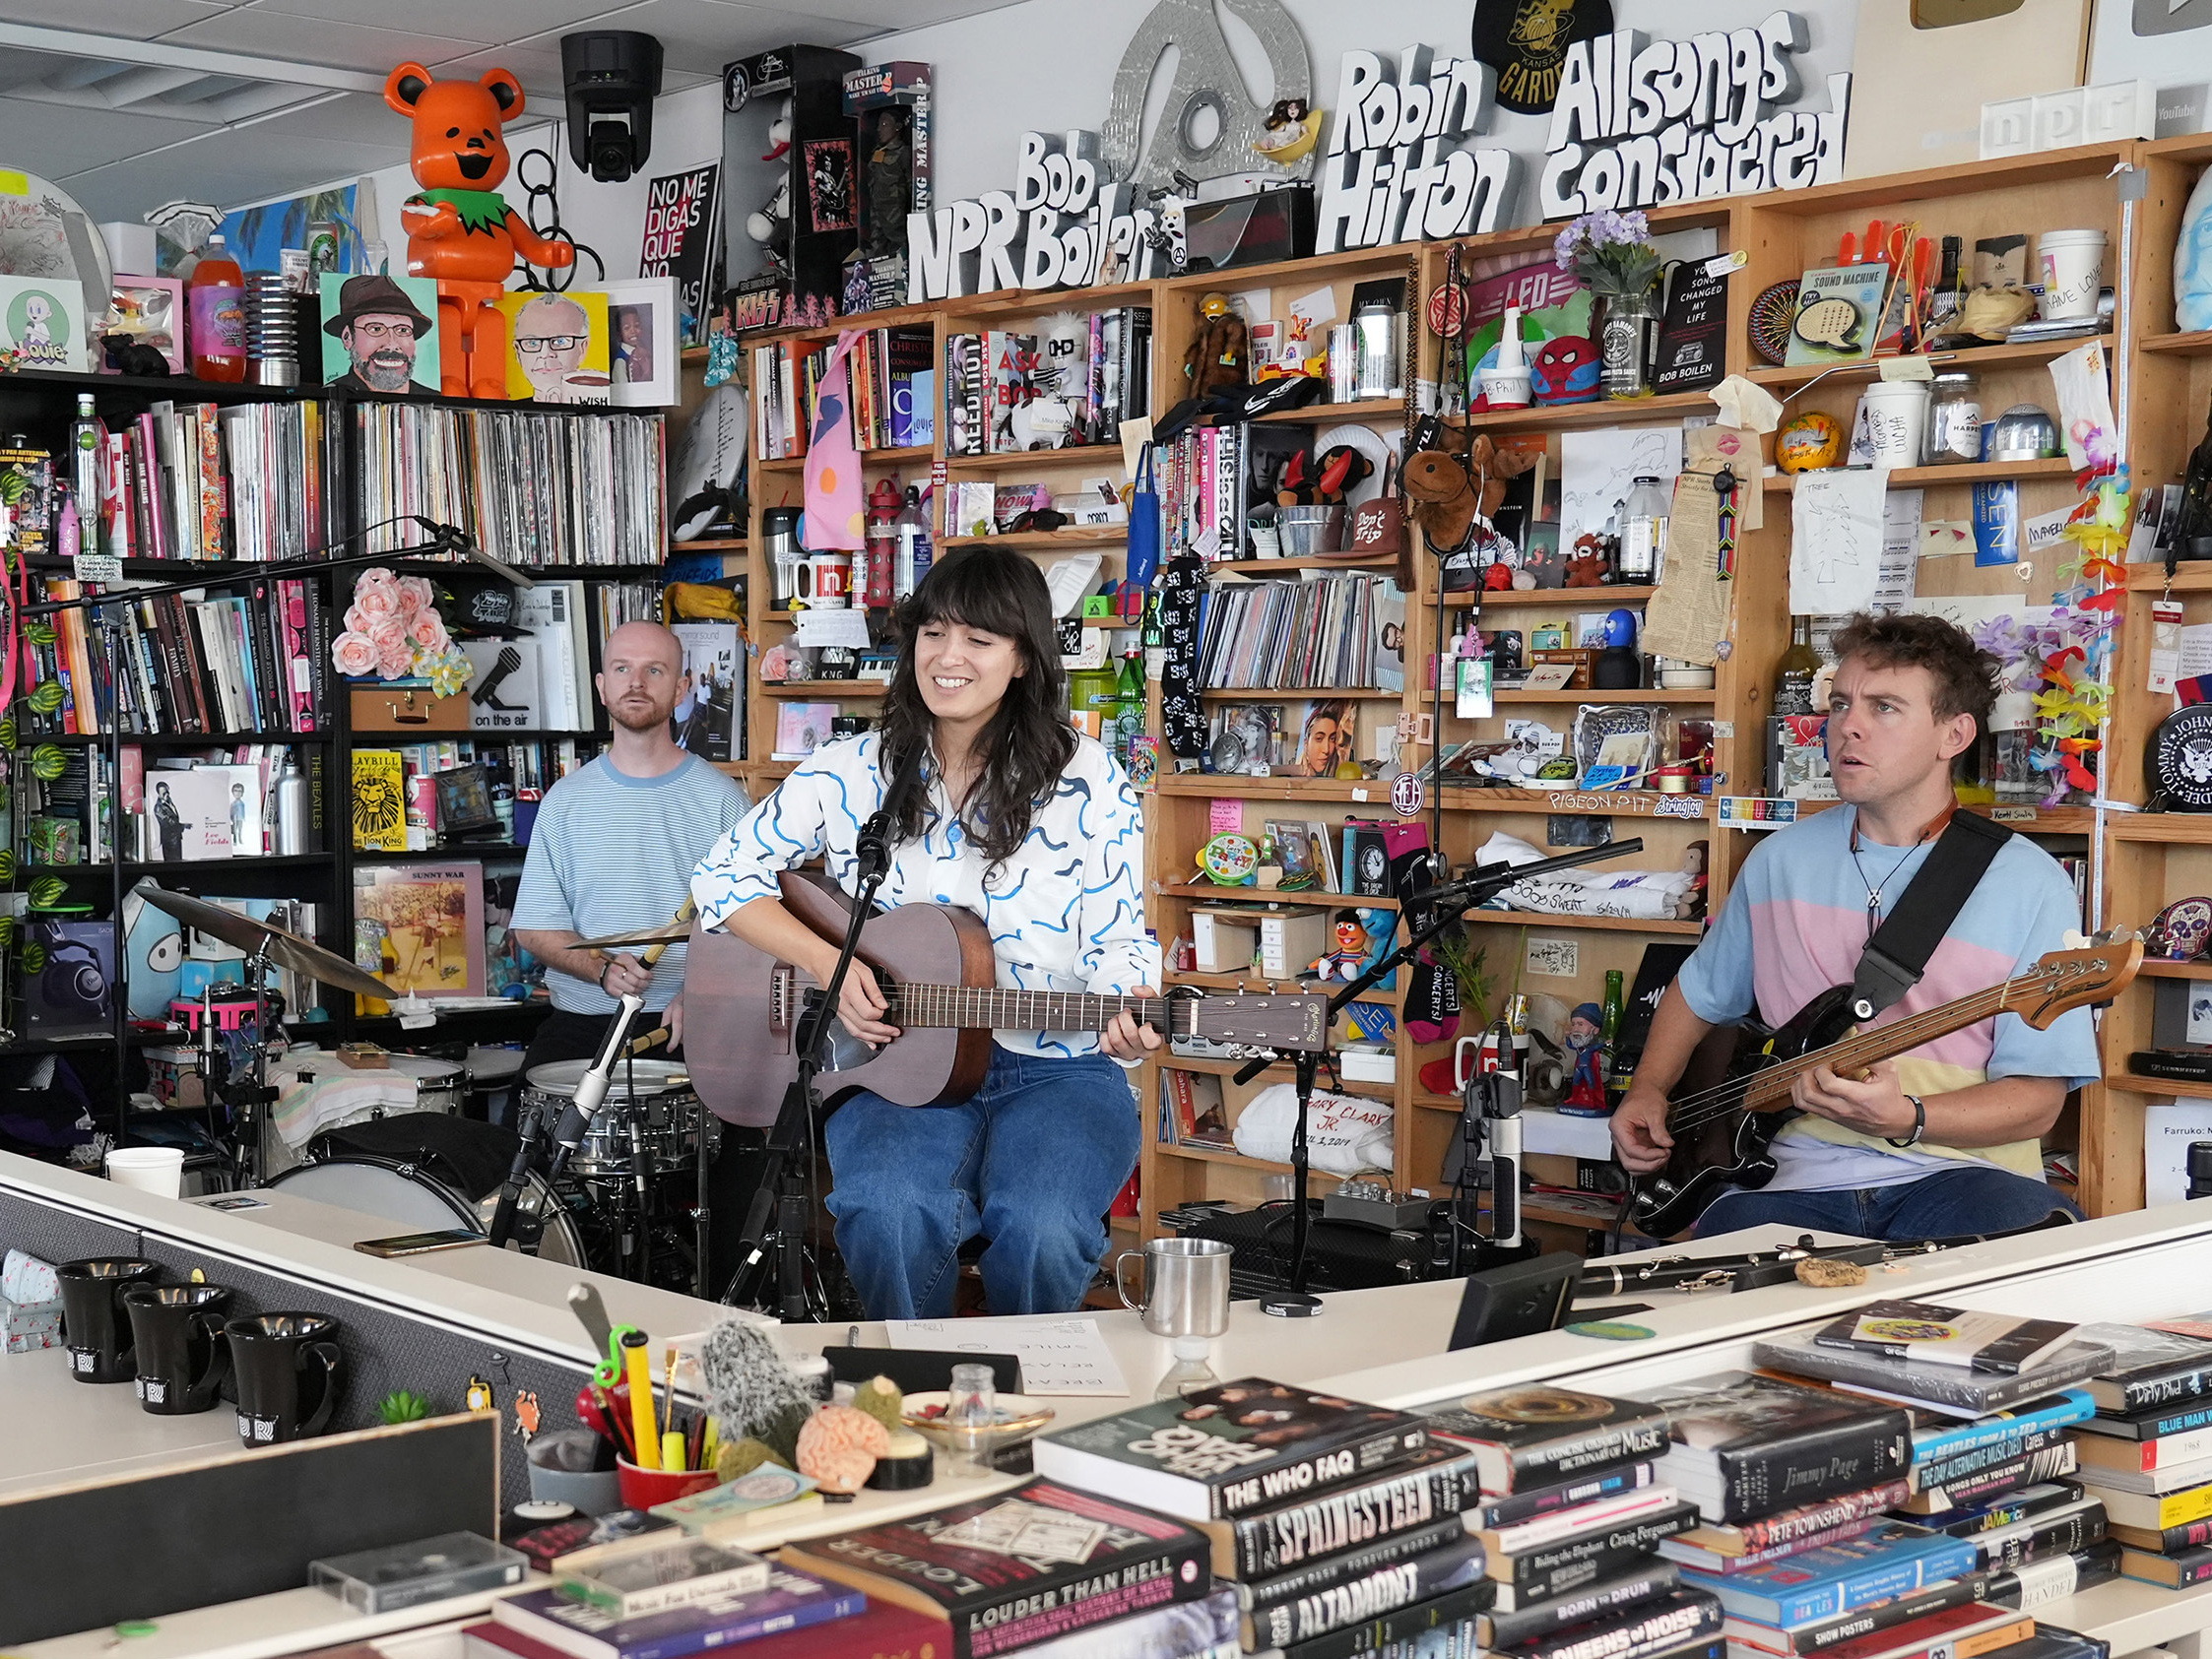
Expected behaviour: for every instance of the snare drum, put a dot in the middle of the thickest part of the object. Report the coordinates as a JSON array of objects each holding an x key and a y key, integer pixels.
[
  {"x": 652, "y": 1098},
  {"x": 438, "y": 1084},
  {"x": 404, "y": 1194}
]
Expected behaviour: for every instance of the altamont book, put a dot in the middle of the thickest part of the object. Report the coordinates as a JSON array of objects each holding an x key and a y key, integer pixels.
[
  {"x": 790, "y": 1599},
  {"x": 1927, "y": 1334},
  {"x": 1645, "y": 1581},
  {"x": 1826, "y": 1634},
  {"x": 1748, "y": 1447},
  {"x": 1385, "y": 1632},
  {"x": 1953, "y": 1390},
  {"x": 1554, "y": 1570},
  {"x": 1643, "y": 1631},
  {"x": 1537, "y": 1435},
  {"x": 1229, "y": 1450},
  {"x": 1427, "y": 1487},
  {"x": 1382, "y": 1589},
  {"x": 1821, "y": 1584},
  {"x": 1018, "y": 1567},
  {"x": 2150, "y": 1367}
]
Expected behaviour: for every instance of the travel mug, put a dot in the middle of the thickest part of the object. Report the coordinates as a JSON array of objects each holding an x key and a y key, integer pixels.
[
  {"x": 271, "y": 1354},
  {"x": 92, "y": 1318},
  {"x": 182, "y": 1355}
]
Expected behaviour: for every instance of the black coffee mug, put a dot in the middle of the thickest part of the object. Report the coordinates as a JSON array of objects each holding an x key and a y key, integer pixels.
[
  {"x": 182, "y": 1353},
  {"x": 270, "y": 1353},
  {"x": 93, "y": 1323}
]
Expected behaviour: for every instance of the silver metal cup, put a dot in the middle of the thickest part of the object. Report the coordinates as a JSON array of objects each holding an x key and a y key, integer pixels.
[{"x": 1186, "y": 1287}]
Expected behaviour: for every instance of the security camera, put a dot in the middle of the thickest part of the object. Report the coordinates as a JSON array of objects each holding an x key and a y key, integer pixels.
[{"x": 612, "y": 76}]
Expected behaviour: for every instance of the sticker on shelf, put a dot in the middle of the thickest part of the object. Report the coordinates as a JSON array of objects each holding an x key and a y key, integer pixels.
[
  {"x": 1224, "y": 817},
  {"x": 1748, "y": 812},
  {"x": 1406, "y": 794}
]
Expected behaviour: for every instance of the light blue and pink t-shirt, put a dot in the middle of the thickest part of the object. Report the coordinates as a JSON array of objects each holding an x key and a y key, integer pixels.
[{"x": 1795, "y": 922}]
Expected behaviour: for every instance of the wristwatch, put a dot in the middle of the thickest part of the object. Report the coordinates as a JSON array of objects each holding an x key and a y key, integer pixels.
[{"x": 1920, "y": 1124}]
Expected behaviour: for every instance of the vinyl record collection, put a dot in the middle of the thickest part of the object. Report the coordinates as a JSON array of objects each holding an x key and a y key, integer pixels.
[
  {"x": 204, "y": 482},
  {"x": 533, "y": 489},
  {"x": 1328, "y": 633}
]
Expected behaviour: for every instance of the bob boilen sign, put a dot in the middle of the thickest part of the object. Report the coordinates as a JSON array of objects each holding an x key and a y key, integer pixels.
[{"x": 1637, "y": 125}]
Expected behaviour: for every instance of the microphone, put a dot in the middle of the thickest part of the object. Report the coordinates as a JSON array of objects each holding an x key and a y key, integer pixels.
[
  {"x": 461, "y": 541},
  {"x": 591, "y": 1091}
]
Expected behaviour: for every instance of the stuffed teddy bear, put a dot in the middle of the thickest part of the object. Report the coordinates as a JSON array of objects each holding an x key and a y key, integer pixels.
[
  {"x": 459, "y": 227},
  {"x": 1221, "y": 355},
  {"x": 1586, "y": 570}
]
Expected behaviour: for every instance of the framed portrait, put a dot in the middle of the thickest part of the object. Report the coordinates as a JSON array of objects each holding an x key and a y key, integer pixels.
[
  {"x": 557, "y": 346},
  {"x": 643, "y": 318},
  {"x": 379, "y": 332}
]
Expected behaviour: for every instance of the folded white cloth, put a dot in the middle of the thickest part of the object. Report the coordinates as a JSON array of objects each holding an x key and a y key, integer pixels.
[{"x": 1344, "y": 1135}]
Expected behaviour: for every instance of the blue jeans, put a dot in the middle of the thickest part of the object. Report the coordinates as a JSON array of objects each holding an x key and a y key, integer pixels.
[
  {"x": 1943, "y": 1205},
  {"x": 1030, "y": 1162}
]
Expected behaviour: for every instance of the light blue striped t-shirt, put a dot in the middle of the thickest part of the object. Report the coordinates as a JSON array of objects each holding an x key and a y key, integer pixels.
[{"x": 611, "y": 853}]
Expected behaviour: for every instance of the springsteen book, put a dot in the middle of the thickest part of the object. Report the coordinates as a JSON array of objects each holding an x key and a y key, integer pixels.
[{"x": 1225, "y": 1450}]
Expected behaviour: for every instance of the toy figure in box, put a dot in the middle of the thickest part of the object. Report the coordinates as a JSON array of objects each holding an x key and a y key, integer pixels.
[
  {"x": 1586, "y": 1087},
  {"x": 889, "y": 104},
  {"x": 1219, "y": 353},
  {"x": 459, "y": 227}
]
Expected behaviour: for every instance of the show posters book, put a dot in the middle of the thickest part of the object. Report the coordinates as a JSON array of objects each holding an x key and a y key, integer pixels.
[
  {"x": 1534, "y": 1437},
  {"x": 1019, "y": 1568},
  {"x": 1230, "y": 1450},
  {"x": 1925, "y": 1333},
  {"x": 1827, "y": 1634},
  {"x": 1748, "y": 1447}
]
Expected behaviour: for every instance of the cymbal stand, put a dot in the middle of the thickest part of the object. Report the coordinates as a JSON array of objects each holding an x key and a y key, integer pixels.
[{"x": 250, "y": 1098}]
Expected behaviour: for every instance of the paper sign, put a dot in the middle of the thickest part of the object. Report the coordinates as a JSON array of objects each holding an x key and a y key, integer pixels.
[
  {"x": 1555, "y": 959},
  {"x": 1058, "y": 1356},
  {"x": 1900, "y": 537},
  {"x": 1224, "y": 817},
  {"x": 1908, "y": 368},
  {"x": 848, "y": 626},
  {"x": 1549, "y": 676},
  {"x": 1941, "y": 537},
  {"x": 1836, "y": 541}
]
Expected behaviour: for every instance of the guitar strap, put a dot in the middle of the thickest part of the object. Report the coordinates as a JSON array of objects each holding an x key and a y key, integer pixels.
[{"x": 1897, "y": 955}]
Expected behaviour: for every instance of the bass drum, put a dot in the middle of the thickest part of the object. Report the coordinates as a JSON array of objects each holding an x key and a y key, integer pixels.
[{"x": 402, "y": 1194}]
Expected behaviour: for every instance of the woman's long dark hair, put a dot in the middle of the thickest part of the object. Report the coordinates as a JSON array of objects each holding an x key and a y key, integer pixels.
[{"x": 1027, "y": 742}]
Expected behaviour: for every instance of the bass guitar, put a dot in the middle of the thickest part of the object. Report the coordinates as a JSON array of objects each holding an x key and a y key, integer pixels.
[
  {"x": 1734, "y": 1095},
  {"x": 934, "y": 966}
]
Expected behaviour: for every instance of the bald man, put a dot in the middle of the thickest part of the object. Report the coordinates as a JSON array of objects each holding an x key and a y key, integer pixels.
[
  {"x": 552, "y": 333},
  {"x": 613, "y": 849}
]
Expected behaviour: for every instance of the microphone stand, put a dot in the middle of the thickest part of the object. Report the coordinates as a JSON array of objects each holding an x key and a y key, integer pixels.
[
  {"x": 782, "y": 1187},
  {"x": 1429, "y": 912}
]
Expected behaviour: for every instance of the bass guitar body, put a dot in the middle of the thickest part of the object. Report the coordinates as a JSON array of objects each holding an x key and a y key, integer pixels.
[{"x": 1717, "y": 1142}]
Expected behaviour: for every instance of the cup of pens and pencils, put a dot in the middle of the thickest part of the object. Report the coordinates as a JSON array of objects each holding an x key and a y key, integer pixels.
[{"x": 659, "y": 1458}]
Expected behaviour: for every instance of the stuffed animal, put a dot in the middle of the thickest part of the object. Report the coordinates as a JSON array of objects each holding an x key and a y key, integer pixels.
[
  {"x": 1448, "y": 495},
  {"x": 1566, "y": 371},
  {"x": 459, "y": 227},
  {"x": 1221, "y": 355},
  {"x": 1586, "y": 570}
]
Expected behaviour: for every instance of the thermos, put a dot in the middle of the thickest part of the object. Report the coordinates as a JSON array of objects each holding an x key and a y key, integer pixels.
[{"x": 294, "y": 809}]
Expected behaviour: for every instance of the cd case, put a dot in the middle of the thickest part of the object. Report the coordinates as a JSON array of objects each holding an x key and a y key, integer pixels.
[
  {"x": 403, "y": 1576},
  {"x": 632, "y": 1580}
]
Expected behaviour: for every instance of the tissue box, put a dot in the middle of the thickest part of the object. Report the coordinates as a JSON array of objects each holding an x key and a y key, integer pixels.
[{"x": 31, "y": 1325}]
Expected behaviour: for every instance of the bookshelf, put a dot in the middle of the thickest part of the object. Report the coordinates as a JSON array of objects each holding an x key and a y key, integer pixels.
[{"x": 41, "y": 406}]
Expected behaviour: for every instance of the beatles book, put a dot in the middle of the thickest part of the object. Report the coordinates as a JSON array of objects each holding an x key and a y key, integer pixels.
[
  {"x": 1748, "y": 1447},
  {"x": 1229, "y": 1450},
  {"x": 1534, "y": 1437},
  {"x": 1018, "y": 1567}
]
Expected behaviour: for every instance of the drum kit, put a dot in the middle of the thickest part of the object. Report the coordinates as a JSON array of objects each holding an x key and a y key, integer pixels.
[{"x": 631, "y": 1198}]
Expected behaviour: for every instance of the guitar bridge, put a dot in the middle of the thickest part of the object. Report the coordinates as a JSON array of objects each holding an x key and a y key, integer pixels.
[{"x": 783, "y": 996}]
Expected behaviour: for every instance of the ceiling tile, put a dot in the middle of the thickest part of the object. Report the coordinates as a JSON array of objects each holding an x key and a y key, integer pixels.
[
  {"x": 323, "y": 40},
  {"x": 55, "y": 139},
  {"x": 225, "y": 170},
  {"x": 354, "y": 118},
  {"x": 905, "y": 13},
  {"x": 538, "y": 67},
  {"x": 429, "y": 17},
  {"x": 136, "y": 19}
]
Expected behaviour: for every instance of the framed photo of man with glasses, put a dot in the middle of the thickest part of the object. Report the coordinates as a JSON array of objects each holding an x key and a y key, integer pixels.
[
  {"x": 558, "y": 347},
  {"x": 380, "y": 333}
]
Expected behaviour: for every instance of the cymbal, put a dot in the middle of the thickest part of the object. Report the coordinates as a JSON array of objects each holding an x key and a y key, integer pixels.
[
  {"x": 661, "y": 933},
  {"x": 287, "y": 949}
]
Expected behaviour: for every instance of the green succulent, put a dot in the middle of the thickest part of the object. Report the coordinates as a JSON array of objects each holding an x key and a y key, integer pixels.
[
  {"x": 41, "y": 634},
  {"x": 403, "y": 1406},
  {"x": 7, "y": 863},
  {"x": 7, "y": 930},
  {"x": 48, "y": 762},
  {"x": 8, "y": 732}
]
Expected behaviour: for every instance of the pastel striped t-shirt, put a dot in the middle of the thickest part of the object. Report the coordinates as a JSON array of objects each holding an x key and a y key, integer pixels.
[{"x": 1795, "y": 922}]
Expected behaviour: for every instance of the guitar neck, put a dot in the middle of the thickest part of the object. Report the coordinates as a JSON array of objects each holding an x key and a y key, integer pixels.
[
  {"x": 1769, "y": 1091},
  {"x": 995, "y": 1009}
]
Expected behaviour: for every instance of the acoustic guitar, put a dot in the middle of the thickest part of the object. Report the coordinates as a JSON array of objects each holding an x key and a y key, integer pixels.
[
  {"x": 1734, "y": 1095},
  {"x": 934, "y": 966}
]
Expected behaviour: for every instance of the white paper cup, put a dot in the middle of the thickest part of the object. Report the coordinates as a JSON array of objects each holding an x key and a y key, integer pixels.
[
  {"x": 149, "y": 1169},
  {"x": 1897, "y": 422},
  {"x": 2071, "y": 266}
]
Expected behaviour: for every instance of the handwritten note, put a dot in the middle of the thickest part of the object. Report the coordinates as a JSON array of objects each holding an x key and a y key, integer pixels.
[
  {"x": 1836, "y": 541},
  {"x": 1058, "y": 1356},
  {"x": 833, "y": 628},
  {"x": 1225, "y": 815}
]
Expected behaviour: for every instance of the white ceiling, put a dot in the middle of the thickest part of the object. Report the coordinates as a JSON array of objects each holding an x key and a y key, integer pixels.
[{"x": 168, "y": 111}]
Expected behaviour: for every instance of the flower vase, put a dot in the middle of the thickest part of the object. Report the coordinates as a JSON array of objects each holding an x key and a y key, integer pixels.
[{"x": 1627, "y": 330}]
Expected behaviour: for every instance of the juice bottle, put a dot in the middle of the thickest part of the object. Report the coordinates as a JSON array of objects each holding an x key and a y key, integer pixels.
[{"x": 215, "y": 324}]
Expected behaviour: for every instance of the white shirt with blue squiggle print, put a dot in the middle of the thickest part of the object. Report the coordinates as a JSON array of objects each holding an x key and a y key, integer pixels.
[{"x": 1065, "y": 912}]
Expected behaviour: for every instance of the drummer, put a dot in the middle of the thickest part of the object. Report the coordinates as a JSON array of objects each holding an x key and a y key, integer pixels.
[{"x": 613, "y": 851}]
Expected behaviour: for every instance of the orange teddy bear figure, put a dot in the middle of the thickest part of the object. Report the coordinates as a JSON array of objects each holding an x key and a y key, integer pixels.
[{"x": 459, "y": 227}]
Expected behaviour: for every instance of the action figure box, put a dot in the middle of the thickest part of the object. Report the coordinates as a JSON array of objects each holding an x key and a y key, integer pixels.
[
  {"x": 788, "y": 177},
  {"x": 889, "y": 104}
]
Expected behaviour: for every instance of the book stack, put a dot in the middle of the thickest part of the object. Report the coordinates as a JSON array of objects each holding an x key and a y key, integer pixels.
[
  {"x": 532, "y": 487},
  {"x": 1327, "y": 633},
  {"x": 895, "y": 388},
  {"x": 1339, "y": 1529},
  {"x": 252, "y": 660},
  {"x": 1089, "y": 374},
  {"x": 2146, "y": 1452},
  {"x": 1572, "y": 1509}
]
